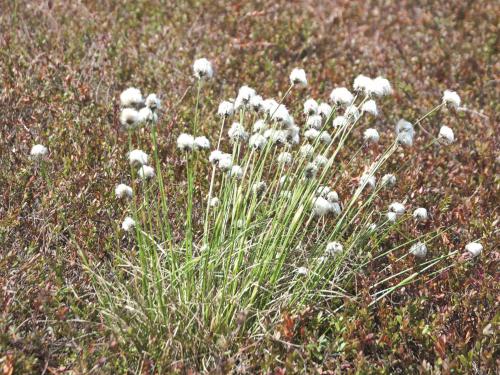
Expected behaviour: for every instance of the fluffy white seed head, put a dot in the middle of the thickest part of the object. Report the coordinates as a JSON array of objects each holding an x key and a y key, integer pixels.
[
  {"x": 391, "y": 217},
  {"x": 185, "y": 142},
  {"x": 282, "y": 116},
  {"x": 362, "y": 83},
  {"x": 419, "y": 250},
  {"x": 302, "y": 271},
  {"x": 339, "y": 121},
  {"x": 332, "y": 197},
  {"x": 298, "y": 77},
  {"x": 147, "y": 115},
  {"x": 214, "y": 202},
  {"x": 256, "y": 103},
  {"x": 325, "y": 110},
  {"x": 146, "y": 172},
  {"x": 123, "y": 191},
  {"x": 202, "y": 69},
  {"x": 259, "y": 187},
  {"x": 38, "y": 151},
  {"x": 397, "y": 208},
  {"x": 130, "y": 118},
  {"x": 225, "y": 162},
  {"x": 237, "y": 133},
  {"x": 310, "y": 171},
  {"x": 474, "y": 248},
  {"x": 311, "y": 134},
  {"x": 131, "y": 97},
  {"x": 137, "y": 158},
  {"x": 201, "y": 143},
  {"x": 128, "y": 224},
  {"x": 310, "y": 107},
  {"x": 314, "y": 122},
  {"x": 259, "y": 126},
  {"x": 380, "y": 86},
  {"x": 405, "y": 132},
  {"x": 352, "y": 112},
  {"x": 370, "y": 107},
  {"x": 420, "y": 214},
  {"x": 321, "y": 206},
  {"x": 371, "y": 135},
  {"x": 451, "y": 98},
  {"x": 153, "y": 102},
  {"x": 257, "y": 141},
  {"x": 285, "y": 158},
  {"x": 388, "y": 180},
  {"x": 325, "y": 137},
  {"x": 215, "y": 156},
  {"x": 368, "y": 180},
  {"x": 320, "y": 161},
  {"x": 333, "y": 248},
  {"x": 236, "y": 172},
  {"x": 323, "y": 191},
  {"x": 446, "y": 135},
  {"x": 245, "y": 93},
  {"x": 341, "y": 96},
  {"x": 225, "y": 109},
  {"x": 306, "y": 150},
  {"x": 270, "y": 105}
]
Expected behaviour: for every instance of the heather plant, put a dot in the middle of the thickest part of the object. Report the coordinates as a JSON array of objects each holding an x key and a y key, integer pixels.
[{"x": 274, "y": 233}]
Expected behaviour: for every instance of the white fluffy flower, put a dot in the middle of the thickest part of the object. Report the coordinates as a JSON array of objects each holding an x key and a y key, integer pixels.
[
  {"x": 236, "y": 172},
  {"x": 129, "y": 118},
  {"x": 202, "y": 69},
  {"x": 214, "y": 202},
  {"x": 446, "y": 135},
  {"x": 320, "y": 160},
  {"x": 362, "y": 83},
  {"x": 282, "y": 116},
  {"x": 137, "y": 157},
  {"x": 276, "y": 136},
  {"x": 201, "y": 143},
  {"x": 451, "y": 98},
  {"x": 333, "y": 248},
  {"x": 310, "y": 107},
  {"x": 259, "y": 126},
  {"x": 245, "y": 93},
  {"x": 397, "y": 208},
  {"x": 335, "y": 209},
  {"x": 314, "y": 122},
  {"x": 128, "y": 224},
  {"x": 38, "y": 151},
  {"x": 368, "y": 180},
  {"x": 311, "y": 134},
  {"x": 284, "y": 158},
  {"x": 370, "y": 107},
  {"x": 371, "y": 135},
  {"x": 259, "y": 187},
  {"x": 321, "y": 206},
  {"x": 380, "y": 86},
  {"x": 352, "y": 112},
  {"x": 256, "y": 103},
  {"x": 225, "y": 109},
  {"x": 310, "y": 171},
  {"x": 302, "y": 271},
  {"x": 474, "y": 248},
  {"x": 392, "y": 216},
  {"x": 323, "y": 191},
  {"x": 270, "y": 105},
  {"x": 388, "y": 180},
  {"x": 298, "y": 77},
  {"x": 225, "y": 162},
  {"x": 123, "y": 191},
  {"x": 257, "y": 141},
  {"x": 237, "y": 132},
  {"x": 147, "y": 115},
  {"x": 332, "y": 197},
  {"x": 306, "y": 150},
  {"x": 146, "y": 172},
  {"x": 341, "y": 96},
  {"x": 405, "y": 132},
  {"x": 339, "y": 121},
  {"x": 420, "y": 214},
  {"x": 419, "y": 250},
  {"x": 325, "y": 110},
  {"x": 215, "y": 156},
  {"x": 185, "y": 142},
  {"x": 131, "y": 97},
  {"x": 153, "y": 102},
  {"x": 325, "y": 137}
]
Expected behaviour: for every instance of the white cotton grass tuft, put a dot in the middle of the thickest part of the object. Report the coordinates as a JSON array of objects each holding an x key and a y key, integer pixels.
[
  {"x": 202, "y": 69},
  {"x": 320, "y": 161},
  {"x": 371, "y": 135},
  {"x": 333, "y": 248},
  {"x": 397, "y": 208},
  {"x": 325, "y": 110},
  {"x": 388, "y": 180},
  {"x": 322, "y": 207},
  {"x": 419, "y": 250},
  {"x": 323, "y": 191},
  {"x": 123, "y": 191},
  {"x": 310, "y": 107},
  {"x": 405, "y": 132},
  {"x": 185, "y": 142},
  {"x": 302, "y": 271},
  {"x": 325, "y": 137},
  {"x": 284, "y": 158},
  {"x": 392, "y": 216},
  {"x": 306, "y": 150},
  {"x": 311, "y": 134},
  {"x": 362, "y": 83},
  {"x": 130, "y": 118},
  {"x": 340, "y": 121},
  {"x": 215, "y": 157},
  {"x": 451, "y": 98},
  {"x": 282, "y": 116},
  {"x": 236, "y": 172},
  {"x": 214, "y": 202},
  {"x": 259, "y": 126},
  {"x": 256, "y": 103},
  {"x": 201, "y": 143},
  {"x": 269, "y": 106},
  {"x": 314, "y": 122},
  {"x": 128, "y": 224},
  {"x": 332, "y": 197},
  {"x": 257, "y": 141},
  {"x": 368, "y": 180},
  {"x": 310, "y": 171},
  {"x": 370, "y": 107},
  {"x": 131, "y": 97},
  {"x": 237, "y": 133},
  {"x": 38, "y": 151},
  {"x": 352, "y": 112},
  {"x": 420, "y": 214},
  {"x": 259, "y": 187},
  {"x": 146, "y": 172},
  {"x": 225, "y": 163},
  {"x": 225, "y": 109},
  {"x": 137, "y": 158},
  {"x": 298, "y": 77},
  {"x": 153, "y": 102},
  {"x": 474, "y": 248},
  {"x": 446, "y": 135},
  {"x": 147, "y": 115},
  {"x": 380, "y": 86},
  {"x": 341, "y": 96},
  {"x": 245, "y": 93}
]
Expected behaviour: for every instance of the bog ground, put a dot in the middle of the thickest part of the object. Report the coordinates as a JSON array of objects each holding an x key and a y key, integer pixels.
[{"x": 62, "y": 67}]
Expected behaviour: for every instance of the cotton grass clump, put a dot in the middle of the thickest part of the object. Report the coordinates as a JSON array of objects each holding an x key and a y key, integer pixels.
[{"x": 260, "y": 227}]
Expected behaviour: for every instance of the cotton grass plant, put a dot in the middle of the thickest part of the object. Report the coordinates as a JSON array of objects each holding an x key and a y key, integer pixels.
[{"x": 274, "y": 235}]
